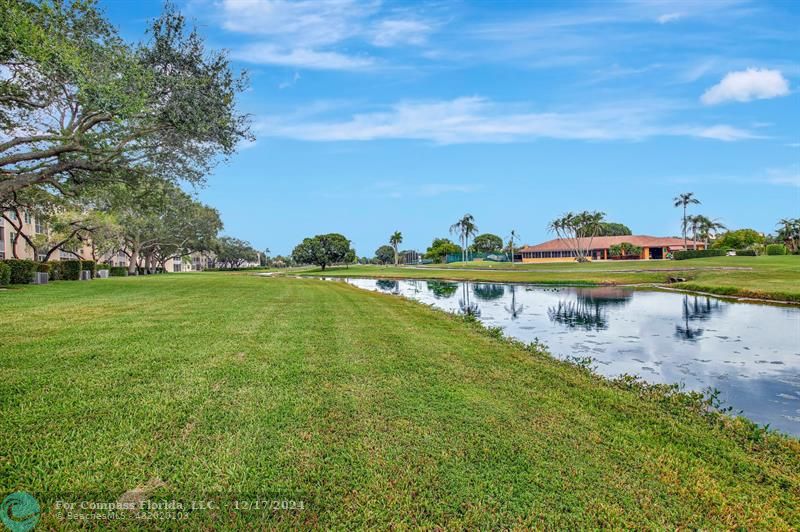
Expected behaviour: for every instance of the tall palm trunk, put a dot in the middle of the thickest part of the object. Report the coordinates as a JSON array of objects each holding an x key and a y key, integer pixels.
[{"x": 684, "y": 226}]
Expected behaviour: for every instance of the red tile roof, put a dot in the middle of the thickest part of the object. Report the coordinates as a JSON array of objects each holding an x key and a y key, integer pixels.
[{"x": 604, "y": 242}]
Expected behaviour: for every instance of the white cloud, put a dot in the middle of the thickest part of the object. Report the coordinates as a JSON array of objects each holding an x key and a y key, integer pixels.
[
  {"x": 304, "y": 23},
  {"x": 725, "y": 132},
  {"x": 269, "y": 54},
  {"x": 290, "y": 83},
  {"x": 305, "y": 34},
  {"x": 474, "y": 119},
  {"x": 747, "y": 85},
  {"x": 392, "y": 32},
  {"x": 669, "y": 17},
  {"x": 789, "y": 176}
]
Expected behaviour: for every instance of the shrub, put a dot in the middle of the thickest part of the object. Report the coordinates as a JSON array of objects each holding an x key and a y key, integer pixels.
[
  {"x": 88, "y": 266},
  {"x": 746, "y": 253},
  {"x": 43, "y": 267},
  {"x": 118, "y": 271},
  {"x": 56, "y": 270},
  {"x": 776, "y": 249},
  {"x": 71, "y": 269},
  {"x": 698, "y": 253},
  {"x": 22, "y": 271},
  {"x": 624, "y": 249},
  {"x": 5, "y": 274},
  {"x": 103, "y": 266}
]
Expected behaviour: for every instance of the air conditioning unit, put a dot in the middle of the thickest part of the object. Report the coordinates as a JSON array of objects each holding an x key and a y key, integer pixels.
[
  {"x": 41, "y": 278},
  {"x": 102, "y": 274},
  {"x": 86, "y": 275}
]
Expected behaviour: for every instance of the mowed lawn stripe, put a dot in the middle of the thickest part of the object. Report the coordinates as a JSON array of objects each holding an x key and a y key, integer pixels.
[{"x": 372, "y": 409}]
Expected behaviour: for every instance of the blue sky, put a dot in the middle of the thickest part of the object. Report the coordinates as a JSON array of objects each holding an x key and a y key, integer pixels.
[{"x": 378, "y": 116}]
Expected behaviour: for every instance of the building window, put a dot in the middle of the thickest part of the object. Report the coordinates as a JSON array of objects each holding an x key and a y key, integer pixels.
[
  {"x": 27, "y": 217},
  {"x": 39, "y": 227}
]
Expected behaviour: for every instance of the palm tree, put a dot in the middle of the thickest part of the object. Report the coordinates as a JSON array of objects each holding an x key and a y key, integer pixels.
[
  {"x": 789, "y": 232},
  {"x": 578, "y": 230},
  {"x": 395, "y": 240},
  {"x": 705, "y": 227},
  {"x": 511, "y": 238},
  {"x": 684, "y": 200},
  {"x": 465, "y": 228}
]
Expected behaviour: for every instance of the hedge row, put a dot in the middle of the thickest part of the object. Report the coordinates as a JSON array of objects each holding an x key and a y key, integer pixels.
[
  {"x": 776, "y": 249},
  {"x": 23, "y": 271},
  {"x": 698, "y": 253},
  {"x": 5, "y": 274}
]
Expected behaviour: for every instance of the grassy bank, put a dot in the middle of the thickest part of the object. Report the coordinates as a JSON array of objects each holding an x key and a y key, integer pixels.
[
  {"x": 776, "y": 278},
  {"x": 370, "y": 409}
]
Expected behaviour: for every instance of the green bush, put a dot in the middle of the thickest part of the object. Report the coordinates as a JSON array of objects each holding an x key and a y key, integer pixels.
[
  {"x": 698, "y": 253},
  {"x": 624, "y": 249},
  {"x": 5, "y": 274},
  {"x": 22, "y": 271},
  {"x": 746, "y": 253},
  {"x": 776, "y": 249},
  {"x": 56, "y": 270},
  {"x": 117, "y": 271},
  {"x": 43, "y": 267},
  {"x": 88, "y": 266},
  {"x": 71, "y": 270},
  {"x": 102, "y": 266}
]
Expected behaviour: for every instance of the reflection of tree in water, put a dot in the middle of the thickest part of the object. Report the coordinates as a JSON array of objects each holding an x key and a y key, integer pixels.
[
  {"x": 578, "y": 314},
  {"x": 695, "y": 309},
  {"x": 387, "y": 285},
  {"x": 442, "y": 289},
  {"x": 489, "y": 292},
  {"x": 515, "y": 310},
  {"x": 467, "y": 307},
  {"x": 588, "y": 311}
]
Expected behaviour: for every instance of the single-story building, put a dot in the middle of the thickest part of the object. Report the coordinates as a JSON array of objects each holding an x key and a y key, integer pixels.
[{"x": 563, "y": 250}]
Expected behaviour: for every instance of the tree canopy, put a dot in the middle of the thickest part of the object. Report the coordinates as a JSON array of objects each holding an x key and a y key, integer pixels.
[
  {"x": 440, "y": 248},
  {"x": 487, "y": 243},
  {"x": 233, "y": 252},
  {"x": 323, "y": 250},
  {"x": 385, "y": 254},
  {"x": 78, "y": 105},
  {"x": 739, "y": 239},
  {"x": 613, "y": 229}
]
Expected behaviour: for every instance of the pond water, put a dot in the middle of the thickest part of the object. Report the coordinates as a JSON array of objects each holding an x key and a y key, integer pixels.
[{"x": 749, "y": 352}]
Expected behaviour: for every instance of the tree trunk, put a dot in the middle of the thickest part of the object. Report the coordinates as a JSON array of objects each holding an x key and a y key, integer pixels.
[
  {"x": 133, "y": 264},
  {"x": 684, "y": 226}
]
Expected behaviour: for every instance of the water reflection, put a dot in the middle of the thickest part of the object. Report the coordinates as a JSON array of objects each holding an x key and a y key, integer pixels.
[
  {"x": 588, "y": 310},
  {"x": 514, "y": 309},
  {"x": 579, "y": 314},
  {"x": 388, "y": 285},
  {"x": 751, "y": 353},
  {"x": 695, "y": 309},
  {"x": 467, "y": 308},
  {"x": 489, "y": 292},
  {"x": 442, "y": 289}
]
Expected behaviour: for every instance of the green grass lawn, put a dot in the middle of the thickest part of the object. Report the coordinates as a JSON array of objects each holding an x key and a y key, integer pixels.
[
  {"x": 775, "y": 277},
  {"x": 370, "y": 409}
]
